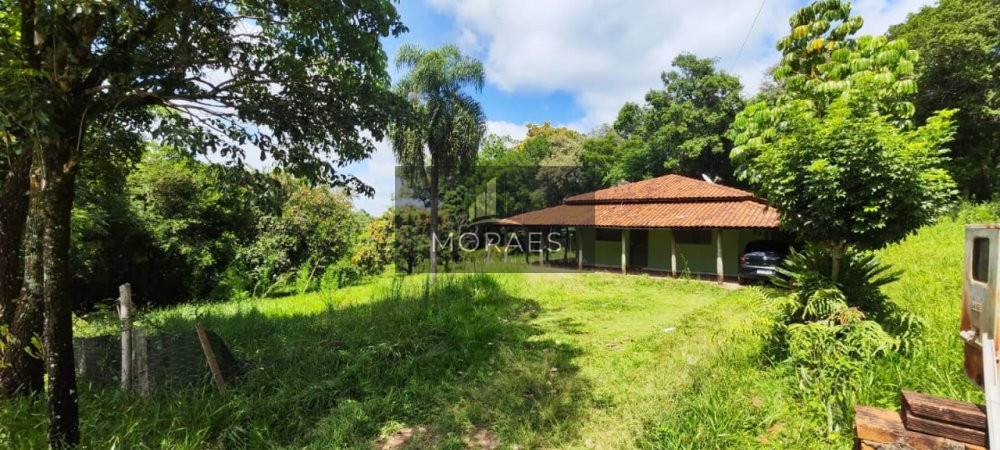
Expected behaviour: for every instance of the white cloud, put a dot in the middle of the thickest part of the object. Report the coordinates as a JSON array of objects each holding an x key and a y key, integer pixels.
[
  {"x": 606, "y": 53},
  {"x": 880, "y": 14},
  {"x": 468, "y": 41},
  {"x": 504, "y": 128},
  {"x": 379, "y": 172}
]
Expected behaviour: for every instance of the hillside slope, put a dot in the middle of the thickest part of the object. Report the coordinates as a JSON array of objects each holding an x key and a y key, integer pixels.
[{"x": 743, "y": 399}]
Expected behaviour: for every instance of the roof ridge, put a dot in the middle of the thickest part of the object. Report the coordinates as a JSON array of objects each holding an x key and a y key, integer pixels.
[
  {"x": 733, "y": 213},
  {"x": 669, "y": 187}
]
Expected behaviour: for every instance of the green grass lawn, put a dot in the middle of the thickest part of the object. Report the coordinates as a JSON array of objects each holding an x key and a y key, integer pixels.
[{"x": 536, "y": 360}]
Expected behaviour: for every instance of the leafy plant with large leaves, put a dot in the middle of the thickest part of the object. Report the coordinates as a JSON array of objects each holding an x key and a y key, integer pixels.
[{"x": 829, "y": 334}]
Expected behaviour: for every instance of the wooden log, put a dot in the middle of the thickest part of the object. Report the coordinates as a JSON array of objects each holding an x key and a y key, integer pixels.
[
  {"x": 206, "y": 346},
  {"x": 940, "y": 409},
  {"x": 942, "y": 429},
  {"x": 881, "y": 426}
]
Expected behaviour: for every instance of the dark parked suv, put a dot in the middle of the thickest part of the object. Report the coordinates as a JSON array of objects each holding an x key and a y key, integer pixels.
[{"x": 760, "y": 258}]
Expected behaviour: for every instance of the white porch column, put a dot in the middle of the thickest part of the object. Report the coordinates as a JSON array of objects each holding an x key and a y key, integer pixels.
[
  {"x": 718, "y": 255},
  {"x": 624, "y": 250},
  {"x": 543, "y": 249},
  {"x": 566, "y": 241},
  {"x": 673, "y": 254},
  {"x": 579, "y": 249},
  {"x": 526, "y": 247}
]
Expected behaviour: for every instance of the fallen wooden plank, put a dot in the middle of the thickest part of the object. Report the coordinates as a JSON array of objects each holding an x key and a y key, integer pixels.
[
  {"x": 881, "y": 426},
  {"x": 213, "y": 365},
  {"x": 941, "y": 409},
  {"x": 943, "y": 429}
]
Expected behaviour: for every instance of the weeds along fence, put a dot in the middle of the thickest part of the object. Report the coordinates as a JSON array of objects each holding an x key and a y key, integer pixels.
[{"x": 145, "y": 363}]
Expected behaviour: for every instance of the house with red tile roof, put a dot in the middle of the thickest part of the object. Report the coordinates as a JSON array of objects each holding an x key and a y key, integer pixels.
[{"x": 671, "y": 223}]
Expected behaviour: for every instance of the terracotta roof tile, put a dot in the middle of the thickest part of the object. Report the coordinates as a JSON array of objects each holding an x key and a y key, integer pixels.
[
  {"x": 670, "y": 201},
  {"x": 668, "y": 188},
  {"x": 701, "y": 214}
]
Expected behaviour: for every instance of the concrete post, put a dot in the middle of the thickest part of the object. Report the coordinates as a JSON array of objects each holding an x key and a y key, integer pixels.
[
  {"x": 566, "y": 241},
  {"x": 718, "y": 255},
  {"x": 526, "y": 246},
  {"x": 579, "y": 249},
  {"x": 624, "y": 250},
  {"x": 673, "y": 254}
]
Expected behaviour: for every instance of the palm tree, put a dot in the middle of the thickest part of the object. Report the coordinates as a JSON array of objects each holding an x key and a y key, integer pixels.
[{"x": 445, "y": 124}]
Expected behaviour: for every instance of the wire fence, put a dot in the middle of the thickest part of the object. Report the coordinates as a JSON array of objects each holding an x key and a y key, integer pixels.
[{"x": 169, "y": 361}]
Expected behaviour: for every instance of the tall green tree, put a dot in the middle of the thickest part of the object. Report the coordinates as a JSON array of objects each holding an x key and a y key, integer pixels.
[
  {"x": 959, "y": 42},
  {"x": 441, "y": 135},
  {"x": 681, "y": 127},
  {"x": 837, "y": 152},
  {"x": 559, "y": 150},
  {"x": 599, "y": 159},
  {"x": 411, "y": 225},
  {"x": 299, "y": 81}
]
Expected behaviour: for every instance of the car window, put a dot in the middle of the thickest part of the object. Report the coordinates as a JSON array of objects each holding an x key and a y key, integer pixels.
[{"x": 767, "y": 246}]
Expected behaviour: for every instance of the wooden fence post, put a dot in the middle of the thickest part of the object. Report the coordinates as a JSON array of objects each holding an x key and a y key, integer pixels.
[
  {"x": 125, "y": 309},
  {"x": 135, "y": 354},
  {"x": 140, "y": 363}
]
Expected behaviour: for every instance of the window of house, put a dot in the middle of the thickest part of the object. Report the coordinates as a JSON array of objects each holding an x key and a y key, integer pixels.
[
  {"x": 693, "y": 237},
  {"x": 609, "y": 234}
]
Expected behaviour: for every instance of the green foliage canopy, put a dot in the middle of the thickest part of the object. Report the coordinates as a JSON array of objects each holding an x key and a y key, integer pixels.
[
  {"x": 681, "y": 128},
  {"x": 959, "y": 41}
]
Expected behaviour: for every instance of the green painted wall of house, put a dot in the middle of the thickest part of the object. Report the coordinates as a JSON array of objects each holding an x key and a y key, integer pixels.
[
  {"x": 696, "y": 259},
  {"x": 609, "y": 253}
]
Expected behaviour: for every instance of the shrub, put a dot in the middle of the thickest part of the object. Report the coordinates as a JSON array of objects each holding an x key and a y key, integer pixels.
[
  {"x": 830, "y": 332},
  {"x": 342, "y": 274},
  {"x": 305, "y": 279},
  {"x": 859, "y": 286},
  {"x": 373, "y": 250}
]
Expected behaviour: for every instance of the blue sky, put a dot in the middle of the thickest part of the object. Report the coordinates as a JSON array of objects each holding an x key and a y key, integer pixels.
[{"x": 575, "y": 62}]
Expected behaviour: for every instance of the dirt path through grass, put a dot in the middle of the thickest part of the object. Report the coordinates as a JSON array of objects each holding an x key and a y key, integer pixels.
[{"x": 638, "y": 337}]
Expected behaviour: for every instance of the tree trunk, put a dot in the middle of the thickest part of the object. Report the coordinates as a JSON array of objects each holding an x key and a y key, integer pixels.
[
  {"x": 19, "y": 372},
  {"x": 837, "y": 254},
  {"x": 13, "y": 213},
  {"x": 58, "y": 174},
  {"x": 24, "y": 371},
  {"x": 434, "y": 219}
]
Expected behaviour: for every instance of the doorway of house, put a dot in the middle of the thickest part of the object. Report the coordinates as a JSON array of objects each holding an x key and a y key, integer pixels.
[{"x": 638, "y": 248}]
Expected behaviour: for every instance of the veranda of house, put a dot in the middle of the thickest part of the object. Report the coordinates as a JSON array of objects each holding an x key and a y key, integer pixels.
[{"x": 671, "y": 224}]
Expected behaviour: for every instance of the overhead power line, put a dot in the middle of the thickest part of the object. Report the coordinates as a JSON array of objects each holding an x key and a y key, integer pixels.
[{"x": 747, "y": 37}]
